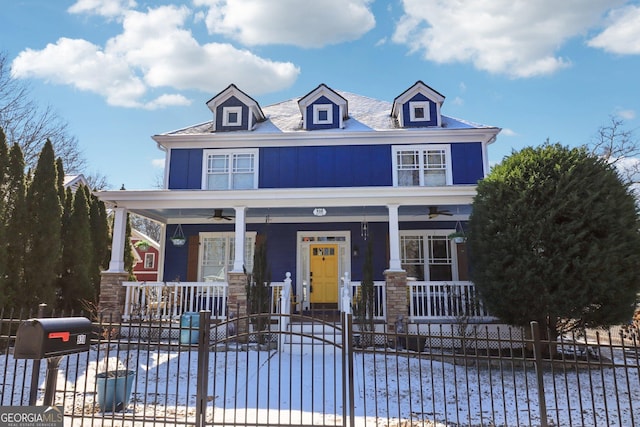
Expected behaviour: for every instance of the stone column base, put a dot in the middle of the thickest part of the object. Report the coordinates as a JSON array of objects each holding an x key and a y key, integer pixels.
[
  {"x": 237, "y": 300},
  {"x": 397, "y": 304},
  {"x": 112, "y": 295}
]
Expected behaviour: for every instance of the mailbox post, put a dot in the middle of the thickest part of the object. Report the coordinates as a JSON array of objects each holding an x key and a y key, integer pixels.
[{"x": 52, "y": 339}]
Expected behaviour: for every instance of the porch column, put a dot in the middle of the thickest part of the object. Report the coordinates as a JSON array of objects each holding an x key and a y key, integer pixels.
[
  {"x": 116, "y": 264},
  {"x": 238, "y": 262},
  {"x": 394, "y": 239}
]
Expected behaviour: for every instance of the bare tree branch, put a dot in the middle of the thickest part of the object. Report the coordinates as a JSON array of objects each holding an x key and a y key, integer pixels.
[
  {"x": 619, "y": 147},
  {"x": 25, "y": 123}
]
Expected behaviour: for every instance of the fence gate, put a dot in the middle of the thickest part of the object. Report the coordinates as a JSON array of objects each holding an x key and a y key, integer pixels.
[{"x": 257, "y": 374}]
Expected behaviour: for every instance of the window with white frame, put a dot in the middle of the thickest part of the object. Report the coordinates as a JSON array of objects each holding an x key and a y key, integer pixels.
[
  {"x": 322, "y": 114},
  {"x": 230, "y": 170},
  {"x": 419, "y": 111},
  {"x": 217, "y": 254},
  {"x": 149, "y": 260},
  {"x": 425, "y": 166},
  {"x": 428, "y": 255},
  {"x": 231, "y": 116}
]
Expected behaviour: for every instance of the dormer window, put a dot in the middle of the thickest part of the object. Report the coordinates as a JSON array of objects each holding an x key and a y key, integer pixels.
[
  {"x": 323, "y": 114},
  {"x": 418, "y": 106},
  {"x": 232, "y": 116},
  {"x": 419, "y": 111}
]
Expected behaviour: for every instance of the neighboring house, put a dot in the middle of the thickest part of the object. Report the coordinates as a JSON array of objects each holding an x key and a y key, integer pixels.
[
  {"x": 319, "y": 177},
  {"x": 74, "y": 181},
  {"x": 146, "y": 256}
]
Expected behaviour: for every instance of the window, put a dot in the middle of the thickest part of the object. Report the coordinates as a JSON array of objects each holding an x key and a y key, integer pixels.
[
  {"x": 225, "y": 170},
  {"x": 149, "y": 260},
  {"x": 231, "y": 116},
  {"x": 322, "y": 114},
  {"x": 419, "y": 111},
  {"x": 428, "y": 255},
  {"x": 217, "y": 254},
  {"x": 422, "y": 166}
]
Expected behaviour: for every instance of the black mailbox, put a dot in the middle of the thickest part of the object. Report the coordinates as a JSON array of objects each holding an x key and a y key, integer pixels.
[{"x": 51, "y": 337}]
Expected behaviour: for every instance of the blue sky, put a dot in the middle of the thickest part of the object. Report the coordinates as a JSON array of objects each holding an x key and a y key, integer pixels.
[{"x": 120, "y": 71}]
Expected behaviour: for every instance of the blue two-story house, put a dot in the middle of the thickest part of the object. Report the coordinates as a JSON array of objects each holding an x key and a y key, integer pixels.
[{"x": 317, "y": 178}]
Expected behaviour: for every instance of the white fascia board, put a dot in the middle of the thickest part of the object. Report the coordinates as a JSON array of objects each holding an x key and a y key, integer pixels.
[
  {"x": 322, "y": 138},
  {"x": 295, "y": 198}
]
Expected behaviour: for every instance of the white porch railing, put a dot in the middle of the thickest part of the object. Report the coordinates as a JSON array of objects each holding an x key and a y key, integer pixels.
[
  {"x": 445, "y": 301},
  {"x": 169, "y": 300},
  {"x": 379, "y": 298}
]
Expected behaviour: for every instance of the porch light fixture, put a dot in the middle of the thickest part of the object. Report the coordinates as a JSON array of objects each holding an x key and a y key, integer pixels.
[{"x": 319, "y": 211}]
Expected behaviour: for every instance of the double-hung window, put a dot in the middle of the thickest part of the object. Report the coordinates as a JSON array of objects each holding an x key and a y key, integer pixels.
[
  {"x": 230, "y": 170},
  {"x": 217, "y": 254},
  {"x": 428, "y": 255},
  {"x": 424, "y": 166}
]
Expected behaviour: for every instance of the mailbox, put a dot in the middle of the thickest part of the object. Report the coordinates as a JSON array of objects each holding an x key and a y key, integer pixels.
[{"x": 52, "y": 337}]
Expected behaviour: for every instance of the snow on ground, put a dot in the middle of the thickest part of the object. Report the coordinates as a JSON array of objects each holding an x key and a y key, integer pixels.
[{"x": 292, "y": 387}]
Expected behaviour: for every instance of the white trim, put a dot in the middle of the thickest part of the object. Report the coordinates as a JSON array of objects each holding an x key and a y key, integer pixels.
[
  {"x": 230, "y": 153},
  {"x": 302, "y": 257},
  {"x": 226, "y": 113},
  {"x": 395, "y": 149},
  {"x": 153, "y": 260},
  {"x": 317, "y": 109},
  {"x": 434, "y": 232},
  {"x": 231, "y": 140},
  {"x": 230, "y": 236},
  {"x": 426, "y": 108}
]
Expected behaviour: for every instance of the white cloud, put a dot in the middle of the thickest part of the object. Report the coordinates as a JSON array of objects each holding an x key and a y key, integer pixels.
[
  {"x": 158, "y": 163},
  {"x": 626, "y": 114},
  {"x": 107, "y": 8},
  {"x": 153, "y": 55},
  {"x": 458, "y": 101},
  {"x": 622, "y": 36},
  {"x": 518, "y": 38},
  {"x": 508, "y": 132},
  {"x": 290, "y": 22}
]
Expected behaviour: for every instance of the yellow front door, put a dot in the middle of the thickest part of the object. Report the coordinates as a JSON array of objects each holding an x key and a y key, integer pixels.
[{"x": 324, "y": 273}]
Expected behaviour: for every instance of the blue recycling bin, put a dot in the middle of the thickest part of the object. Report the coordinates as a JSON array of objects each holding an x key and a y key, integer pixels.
[{"x": 189, "y": 324}]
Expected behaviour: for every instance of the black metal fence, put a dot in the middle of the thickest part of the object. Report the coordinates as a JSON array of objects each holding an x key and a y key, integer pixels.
[{"x": 193, "y": 371}]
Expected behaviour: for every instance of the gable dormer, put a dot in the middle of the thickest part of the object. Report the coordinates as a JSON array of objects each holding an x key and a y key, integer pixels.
[
  {"x": 418, "y": 106},
  {"x": 323, "y": 108},
  {"x": 234, "y": 110}
]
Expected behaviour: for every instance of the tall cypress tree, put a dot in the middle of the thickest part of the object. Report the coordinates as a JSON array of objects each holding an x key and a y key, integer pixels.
[
  {"x": 100, "y": 239},
  {"x": 44, "y": 212},
  {"x": 16, "y": 229},
  {"x": 77, "y": 257},
  {"x": 4, "y": 176}
]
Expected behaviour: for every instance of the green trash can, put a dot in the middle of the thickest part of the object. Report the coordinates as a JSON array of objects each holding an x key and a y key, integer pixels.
[{"x": 189, "y": 324}]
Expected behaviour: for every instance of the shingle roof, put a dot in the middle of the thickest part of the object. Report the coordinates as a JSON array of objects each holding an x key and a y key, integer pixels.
[{"x": 365, "y": 114}]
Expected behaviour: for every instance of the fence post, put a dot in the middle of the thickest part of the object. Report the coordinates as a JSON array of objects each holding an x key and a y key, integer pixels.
[
  {"x": 347, "y": 351},
  {"x": 202, "y": 384},
  {"x": 285, "y": 310},
  {"x": 35, "y": 367},
  {"x": 537, "y": 354}
]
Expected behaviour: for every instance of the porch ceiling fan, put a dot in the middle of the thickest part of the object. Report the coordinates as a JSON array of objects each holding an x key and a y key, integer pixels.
[
  {"x": 434, "y": 212},
  {"x": 217, "y": 216}
]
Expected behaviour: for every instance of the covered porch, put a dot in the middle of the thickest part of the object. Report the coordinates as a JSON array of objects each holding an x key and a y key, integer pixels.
[{"x": 306, "y": 231}]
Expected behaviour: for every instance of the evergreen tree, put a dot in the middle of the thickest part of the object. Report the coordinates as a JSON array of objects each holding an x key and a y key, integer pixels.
[
  {"x": 128, "y": 251},
  {"x": 100, "y": 239},
  {"x": 60, "y": 182},
  {"x": 43, "y": 242},
  {"x": 16, "y": 229},
  {"x": 4, "y": 176},
  {"x": 77, "y": 256},
  {"x": 554, "y": 238}
]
